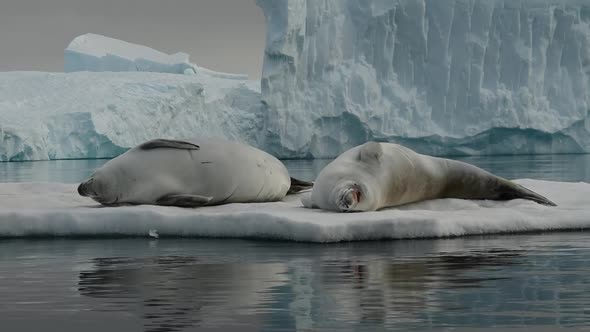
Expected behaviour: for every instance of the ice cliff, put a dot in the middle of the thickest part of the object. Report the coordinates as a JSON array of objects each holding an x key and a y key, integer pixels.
[
  {"x": 99, "y": 115},
  {"x": 443, "y": 77}
]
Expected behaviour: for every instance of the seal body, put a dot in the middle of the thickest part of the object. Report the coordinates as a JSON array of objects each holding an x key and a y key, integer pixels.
[
  {"x": 189, "y": 173},
  {"x": 375, "y": 175}
]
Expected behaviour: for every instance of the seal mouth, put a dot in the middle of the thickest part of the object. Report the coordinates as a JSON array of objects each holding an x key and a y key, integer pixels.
[
  {"x": 357, "y": 195},
  {"x": 105, "y": 202},
  {"x": 350, "y": 198}
]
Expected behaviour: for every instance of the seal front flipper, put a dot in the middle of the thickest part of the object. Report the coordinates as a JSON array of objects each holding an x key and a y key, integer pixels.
[
  {"x": 307, "y": 202},
  {"x": 183, "y": 200},
  {"x": 168, "y": 143},
  {"x": 298, "y": 186}
]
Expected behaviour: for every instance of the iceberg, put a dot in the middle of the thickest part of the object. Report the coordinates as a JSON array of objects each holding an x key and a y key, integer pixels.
[
  {"x": 92, "y": 52},
  {"x": 102, "y": 114},
  {"x": 55, "y": 209},
  {"x": 117, "y": 95},
  {"x": 457, "y": 77}
]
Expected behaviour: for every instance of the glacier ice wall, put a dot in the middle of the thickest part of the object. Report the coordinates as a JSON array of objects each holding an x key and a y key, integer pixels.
[
  {"x": 443, "y": 77},
  {"x": 92, "y": 52},
  {"x": 101, "y": 114}
]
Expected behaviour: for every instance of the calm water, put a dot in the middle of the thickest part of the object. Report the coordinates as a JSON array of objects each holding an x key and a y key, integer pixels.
[{"x": 490, "y": 283}]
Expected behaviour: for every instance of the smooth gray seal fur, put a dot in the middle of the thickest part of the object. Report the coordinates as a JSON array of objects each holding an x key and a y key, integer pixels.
[
  {"x": 190, "y": 173},
  {"x": 375, "y": 175}
]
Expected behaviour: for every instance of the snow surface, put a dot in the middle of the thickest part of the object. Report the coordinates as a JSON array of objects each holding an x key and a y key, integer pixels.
[
  {"x": 92, "y": 52},
  {"x": 99, "y": 115},
  {"x": 53, "y": 209},
  {"x": 461, "y": 77}
]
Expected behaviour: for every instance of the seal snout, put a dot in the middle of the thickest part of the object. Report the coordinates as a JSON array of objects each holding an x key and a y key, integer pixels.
[{"x": 84, "y": 189}]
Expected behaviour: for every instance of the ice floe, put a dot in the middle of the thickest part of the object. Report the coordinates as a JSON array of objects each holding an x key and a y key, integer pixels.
[{"x": 55, "y": 209}]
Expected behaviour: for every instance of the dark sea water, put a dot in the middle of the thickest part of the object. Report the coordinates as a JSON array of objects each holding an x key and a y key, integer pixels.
[{"x": 537, "y": 282}]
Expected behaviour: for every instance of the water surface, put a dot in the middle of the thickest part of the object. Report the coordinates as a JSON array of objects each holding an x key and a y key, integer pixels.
[
  {"x": 565, "y": 167},
  {"x": 491, "y": 282}
]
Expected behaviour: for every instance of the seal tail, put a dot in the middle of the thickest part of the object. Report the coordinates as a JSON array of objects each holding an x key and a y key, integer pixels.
[
  {"x": 299, "y": 186},
  {"x": 518, "y": 191}
]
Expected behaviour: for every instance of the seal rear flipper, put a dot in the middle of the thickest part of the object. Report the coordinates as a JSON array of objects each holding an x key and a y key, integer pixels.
[
  {"x": 167, "y": 143},
  {"x": 540, "y": 199},
  {"x": 298, "y": 186},
  {"x": 533, "y": 196},
  {"x": 183, "y": 200},
  {"x": 518, "y": 191}
]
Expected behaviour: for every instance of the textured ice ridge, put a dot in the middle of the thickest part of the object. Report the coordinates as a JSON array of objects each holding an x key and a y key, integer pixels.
[{"x": 445, "y": 77}]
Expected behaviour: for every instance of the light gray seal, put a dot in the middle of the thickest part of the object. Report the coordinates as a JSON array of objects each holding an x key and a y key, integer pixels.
[
  {"x": 375, "y": 175},
  {"x": 190, "y": 173}
]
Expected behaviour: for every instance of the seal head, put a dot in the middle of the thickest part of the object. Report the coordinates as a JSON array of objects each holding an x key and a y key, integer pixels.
[{"x": 101, "y": 188}]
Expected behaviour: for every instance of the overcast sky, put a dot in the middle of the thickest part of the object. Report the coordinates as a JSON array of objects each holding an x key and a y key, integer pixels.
[{"x": 223, "y": 35}]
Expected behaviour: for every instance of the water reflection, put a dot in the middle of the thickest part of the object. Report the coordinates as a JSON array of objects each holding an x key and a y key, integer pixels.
[
  {"x": 392, "y": 292},
  {"x": 172, "y": 293},
  {"x": 491, "y": 282}
]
